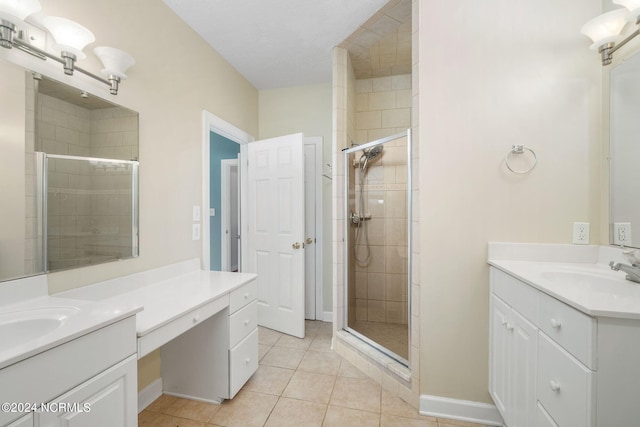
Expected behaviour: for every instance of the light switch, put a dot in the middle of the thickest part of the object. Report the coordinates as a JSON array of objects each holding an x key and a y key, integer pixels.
[
  {"x": 212, "y": 212},
  {"x": 196, "y": 213}
]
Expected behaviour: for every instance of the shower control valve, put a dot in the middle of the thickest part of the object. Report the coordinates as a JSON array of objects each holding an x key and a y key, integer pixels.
[{"x": 356, "y": 219}]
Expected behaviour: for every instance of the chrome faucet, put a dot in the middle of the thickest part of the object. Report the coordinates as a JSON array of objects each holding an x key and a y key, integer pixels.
[{"x": 633, "y": 270}]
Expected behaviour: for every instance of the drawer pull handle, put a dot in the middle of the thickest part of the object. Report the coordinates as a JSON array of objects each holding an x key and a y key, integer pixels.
[
  {"x": 246, "y": 295},
  {"x": 556, "y": 324},
  {"x": 554, "y": 386},
  {"x": 246, "y": 322},
  {"x": 247, "y": 360},
  {"x": 196, "y": 319},
  {"x": 509, "y": 327}
]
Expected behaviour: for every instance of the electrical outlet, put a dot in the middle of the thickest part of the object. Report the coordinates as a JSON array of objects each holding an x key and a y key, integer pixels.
[
  {"x": 195, "y": 232},
  {"x": 580, "y": 233},
  {"x": 622, "y": 233},
  {"x": 196, "y": 213}
]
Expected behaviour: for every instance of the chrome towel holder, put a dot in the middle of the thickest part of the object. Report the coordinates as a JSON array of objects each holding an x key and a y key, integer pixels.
[{"x": 520, "y": 149}]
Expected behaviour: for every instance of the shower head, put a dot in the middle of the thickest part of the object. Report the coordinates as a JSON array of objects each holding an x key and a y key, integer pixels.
[
  {"x": 373, "y": 152},
  {"x": 368, "y": 155}
]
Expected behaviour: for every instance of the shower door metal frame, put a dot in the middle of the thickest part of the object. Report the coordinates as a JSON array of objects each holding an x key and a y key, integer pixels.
[
  {"x": 347, "y": 222},
  {"x": 42, "y": 181}
]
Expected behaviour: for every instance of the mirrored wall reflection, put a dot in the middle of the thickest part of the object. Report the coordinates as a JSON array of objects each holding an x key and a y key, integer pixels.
[
  {"x": 43, "y": 115},
  {"x": 377, "y": 212},
  {"x": 91, "y": 210}
]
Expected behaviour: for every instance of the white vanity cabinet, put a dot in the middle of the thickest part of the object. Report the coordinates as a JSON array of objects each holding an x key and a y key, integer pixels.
[
  {"x": 26, "y": 421},
  {"x": 551, "y": 365},
  {"x": 95, "y": 373},
  {"x": 214, "y": 359},
  {"x": 512, "y": 358}
]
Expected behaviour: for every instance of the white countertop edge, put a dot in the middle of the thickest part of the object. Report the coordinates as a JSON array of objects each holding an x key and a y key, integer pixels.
[
  {"x": 511, "y": 268},
  {"x": 112, "y": 313},
  {"x": 143, "y": 329}
]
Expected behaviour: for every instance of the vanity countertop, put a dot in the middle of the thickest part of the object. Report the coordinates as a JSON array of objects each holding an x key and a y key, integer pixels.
[
  {"x": 164, "y": 300},
  {"x": 72, "y": 317},
  {"x": 590, "y": 287}
]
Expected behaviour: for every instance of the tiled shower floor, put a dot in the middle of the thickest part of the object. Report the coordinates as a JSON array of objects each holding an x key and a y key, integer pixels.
[
  {"x": 393, "y": 336},
  {"x": 299, "y": 382}
]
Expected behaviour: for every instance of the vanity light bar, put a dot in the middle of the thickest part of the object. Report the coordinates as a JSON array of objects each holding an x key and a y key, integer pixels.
[
  {"x": 605, "y": 29},
  {"x": 70, "y": 37}
]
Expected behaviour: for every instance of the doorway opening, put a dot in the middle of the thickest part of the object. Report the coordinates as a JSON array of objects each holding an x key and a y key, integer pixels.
[{"x": 230, "y": 215}]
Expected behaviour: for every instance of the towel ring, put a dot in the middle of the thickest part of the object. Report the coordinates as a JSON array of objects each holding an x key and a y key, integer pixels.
[{"x": 520, "y": 149}]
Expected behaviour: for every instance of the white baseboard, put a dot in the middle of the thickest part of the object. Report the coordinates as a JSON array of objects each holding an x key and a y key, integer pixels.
[
  {"x": 327, "y": 316},
  {"x": 462, "y": 410},
  {"x": 147, "y": 395}
]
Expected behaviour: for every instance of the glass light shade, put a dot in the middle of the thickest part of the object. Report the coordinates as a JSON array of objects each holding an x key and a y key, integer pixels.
[
  {"x": 115, "y": 61},
  {"x": 18, "y": 9},
  {"x": 633, "y": 6},
  {"x": 69, "y": 35},
  {"x": 605, "y": 28}
]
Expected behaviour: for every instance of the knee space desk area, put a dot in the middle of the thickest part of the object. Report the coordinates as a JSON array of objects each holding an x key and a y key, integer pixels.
[{"x": 204, "y": 322}]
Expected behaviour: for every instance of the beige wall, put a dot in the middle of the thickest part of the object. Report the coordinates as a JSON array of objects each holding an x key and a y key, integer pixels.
[
  {"x": 176, "y": 76},
  {"x": 304, "y": 109},
  {"x": 493, "y": 74},
  {"x": 12, "y": 171}
]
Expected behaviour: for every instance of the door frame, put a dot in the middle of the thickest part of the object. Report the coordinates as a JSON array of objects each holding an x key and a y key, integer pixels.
[
  {"x": 225, "y": 214},
  {"x": 213, "y": 123},
  {"x": 317, "y": 141}
]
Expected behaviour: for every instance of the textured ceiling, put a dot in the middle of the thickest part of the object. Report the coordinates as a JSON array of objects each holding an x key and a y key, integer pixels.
[{"x": 279, "y": 43}]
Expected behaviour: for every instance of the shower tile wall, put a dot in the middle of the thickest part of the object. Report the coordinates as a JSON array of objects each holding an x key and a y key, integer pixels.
[
  {"x": 383, "y": 108},
  {"x": 64, "y": 128},
  {"x": 33, "y": 251},
  {"x": 82, "y": 222}
]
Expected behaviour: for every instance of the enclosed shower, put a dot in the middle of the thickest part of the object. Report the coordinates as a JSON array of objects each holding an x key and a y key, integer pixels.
[{"x": 377, "y": 206}]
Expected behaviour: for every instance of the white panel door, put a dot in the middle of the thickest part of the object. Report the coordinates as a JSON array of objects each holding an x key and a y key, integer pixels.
[{"x": 275, "y": 211}]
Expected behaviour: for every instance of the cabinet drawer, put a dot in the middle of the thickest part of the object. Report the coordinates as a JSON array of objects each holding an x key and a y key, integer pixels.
[
  {"x": 520, "y": 296},
  {"x": 573, "y": 330},
  {"x": 242, "y": 322},
  {"x": 543, "y": 419},
  {"x": 176, "y": 327},
  {"x": 243, "y": 296},
  {"x": 565, "y": 386},
  {"x": 243, "y": 361}
]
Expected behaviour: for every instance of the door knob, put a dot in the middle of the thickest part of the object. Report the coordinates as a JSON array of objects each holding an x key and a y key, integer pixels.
[
  {"x": 309, "y": 241},
  {"x": 296, "y": 245}
]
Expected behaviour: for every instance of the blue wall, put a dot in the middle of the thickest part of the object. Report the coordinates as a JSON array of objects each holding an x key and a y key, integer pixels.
[{"x": 221, "y": 148}]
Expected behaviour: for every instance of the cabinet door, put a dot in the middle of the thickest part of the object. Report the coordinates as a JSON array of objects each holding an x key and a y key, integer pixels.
[
  {"x": 499, "y": 355},
  {"x": 26, "y": 421},
  {"x": 107, "y": 400},
  {"x": 522, "y": 374}
]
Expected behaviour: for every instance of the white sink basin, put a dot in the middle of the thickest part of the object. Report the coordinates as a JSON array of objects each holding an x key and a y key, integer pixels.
[
  {"x": 588, "y": 280},
  {"x": 21, "y": 326}
]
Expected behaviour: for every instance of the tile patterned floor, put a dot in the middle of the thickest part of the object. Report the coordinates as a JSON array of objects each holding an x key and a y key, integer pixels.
[{"x": 300, "y": 382}]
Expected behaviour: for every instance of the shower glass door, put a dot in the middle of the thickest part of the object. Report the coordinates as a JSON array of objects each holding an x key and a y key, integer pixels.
[{"x": 377, "y": 212}]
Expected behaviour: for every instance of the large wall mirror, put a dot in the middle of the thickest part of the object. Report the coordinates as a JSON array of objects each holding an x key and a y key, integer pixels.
[
  {"x": 625, "y": 152},
  {"x": 68, "y": 176}
]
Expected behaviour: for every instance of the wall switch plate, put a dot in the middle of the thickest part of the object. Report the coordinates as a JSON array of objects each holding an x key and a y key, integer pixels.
[
  {"x": 196, "y": 213},
  {"x": 212, "y": 212},
  {"x": 622, "y": 233},
  {"x": 195, "y": 232},
  {"x": 580, "y": 233}
]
